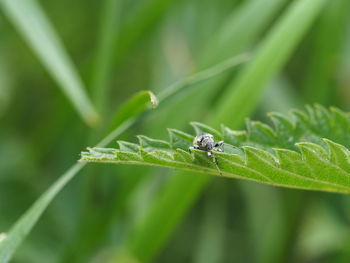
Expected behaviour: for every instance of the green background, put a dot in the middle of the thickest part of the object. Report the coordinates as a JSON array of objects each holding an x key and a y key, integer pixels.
[{"x": 300, "y": 53}]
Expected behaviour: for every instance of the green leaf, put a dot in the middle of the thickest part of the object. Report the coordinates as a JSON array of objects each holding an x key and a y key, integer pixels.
[
  {"x": 179, "y": 139},
  {"x": 31, "y": 21},
  {"x": 313, "y": 159},
  {"x": 133, "y": 107}
]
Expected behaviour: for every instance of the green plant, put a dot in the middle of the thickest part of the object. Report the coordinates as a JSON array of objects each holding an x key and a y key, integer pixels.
[{"x": 308, "y": 153}]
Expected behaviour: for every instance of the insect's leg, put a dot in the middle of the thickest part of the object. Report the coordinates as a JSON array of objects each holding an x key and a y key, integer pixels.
[
  {"x": 215, "y": 161},
  {"x": 219, "y": 145}
]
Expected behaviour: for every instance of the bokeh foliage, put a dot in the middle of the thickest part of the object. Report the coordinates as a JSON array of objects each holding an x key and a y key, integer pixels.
[{"x": 92, "y": 56}]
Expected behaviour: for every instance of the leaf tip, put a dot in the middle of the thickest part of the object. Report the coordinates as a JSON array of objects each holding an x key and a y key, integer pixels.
[
  {"x": 93, "y": 119},
  {"x": 153, "y": 99},
  {"x": 333, "y": 145},
  {"x": 311, "y": 149}
]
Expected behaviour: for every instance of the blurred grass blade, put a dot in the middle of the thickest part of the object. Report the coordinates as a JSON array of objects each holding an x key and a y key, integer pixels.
[
  {"x": 203, "y": 75},
  {"x": 108, "y": 31},
  {"x": 172, "y": 203},
  {"x": 139, "y": 24},
  {"x": 25, "y": 224},
  {"x": 325, "y": 50},
  {"x": 270, "y": 58},
  {"x": 31, "y": 21},
  {"x": 234, "y": 35},
  {"x": 214, "y": 222}
]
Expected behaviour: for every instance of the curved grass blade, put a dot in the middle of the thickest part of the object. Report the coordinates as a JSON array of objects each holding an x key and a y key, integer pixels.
[
  {"x": 31, "y": 21},
  {"x": 203, "y": 75},
  {"x": 24, "y": 225}
]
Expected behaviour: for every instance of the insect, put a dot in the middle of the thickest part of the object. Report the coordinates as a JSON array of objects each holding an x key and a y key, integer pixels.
[{"x": 205, "y": 142}]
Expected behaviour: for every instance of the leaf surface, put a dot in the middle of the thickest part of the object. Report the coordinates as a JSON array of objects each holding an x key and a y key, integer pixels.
[{"x": 305, "y": 150}]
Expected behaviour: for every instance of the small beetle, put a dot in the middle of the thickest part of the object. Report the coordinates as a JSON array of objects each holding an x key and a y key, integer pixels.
[{"x": 205, "y": 142}]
